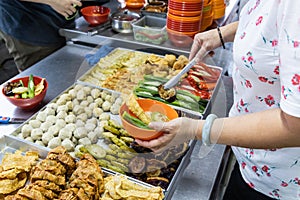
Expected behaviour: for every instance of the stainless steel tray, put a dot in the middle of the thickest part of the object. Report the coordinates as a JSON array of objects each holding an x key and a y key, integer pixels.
[
  {"x": 10, "y": 144},
  {"x": 123, "y": 51},
  {"x": 25, "y": 145}
]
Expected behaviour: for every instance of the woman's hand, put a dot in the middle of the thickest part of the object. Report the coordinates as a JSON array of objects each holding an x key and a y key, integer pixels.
[
  {"x": 176, "y": 131},
  {"x": 203, "y": 43},
  {"x": 65, "y": 7},
  {"x": 210, "y": 40}
]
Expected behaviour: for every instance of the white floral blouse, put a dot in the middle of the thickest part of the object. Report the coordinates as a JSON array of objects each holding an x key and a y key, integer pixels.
[{"x": 267, "y": 75}]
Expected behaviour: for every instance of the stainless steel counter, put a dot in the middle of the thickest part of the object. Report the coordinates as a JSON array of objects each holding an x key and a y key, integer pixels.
[
  {"x": 201, "y": 178},
  {"x": 87, "y": 34}
]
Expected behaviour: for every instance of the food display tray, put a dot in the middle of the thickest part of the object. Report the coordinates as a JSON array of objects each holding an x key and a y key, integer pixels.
[
  {"x": 12, "y": 142},
  {"x": 94, "y": 78},
  {"x": 155, "y": 14}
]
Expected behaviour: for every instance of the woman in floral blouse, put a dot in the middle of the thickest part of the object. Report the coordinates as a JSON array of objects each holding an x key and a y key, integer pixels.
[{"x": 263, "y": 126}]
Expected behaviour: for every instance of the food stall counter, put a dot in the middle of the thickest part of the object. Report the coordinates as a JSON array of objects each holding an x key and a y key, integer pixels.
[{"x": 201, "y": 178}]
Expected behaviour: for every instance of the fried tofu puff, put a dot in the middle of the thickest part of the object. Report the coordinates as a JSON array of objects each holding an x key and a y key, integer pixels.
[
  {"x": 181, "y": 62},
  {"x": 170, "y": 58}
]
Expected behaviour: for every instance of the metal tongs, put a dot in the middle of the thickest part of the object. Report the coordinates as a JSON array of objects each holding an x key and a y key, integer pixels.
[{"x": 175, "y": 79}]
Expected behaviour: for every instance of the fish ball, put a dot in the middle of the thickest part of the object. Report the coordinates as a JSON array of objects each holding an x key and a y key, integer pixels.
[
  {"x": 36, "y": 134},
  {"x": 104, "y": 116},
  {"x": 106, "y": 106},
  {"x": 42, "y": 115},
  {"x": 51, "y": 119},
  {"x": 68, "y": 144},
  {"x": 64, "y": 133},
  {"x": 46, "y": 137},
  {"x": 83, "y": 117},
  {"x": 46, "y": 125},
  {"x": 26, "y": 130},
  {"x": 80, "y": 132},
  {"x": 62, "y": 115},
  {"x": 71, "y": 118},
  {"x": 79, "y": 123},
  {"x": 54, "y": 142},
  {"x": 95, "y": 93},
  {"x": 81, "y": 95},
  {"x": 35, "y": 123}
]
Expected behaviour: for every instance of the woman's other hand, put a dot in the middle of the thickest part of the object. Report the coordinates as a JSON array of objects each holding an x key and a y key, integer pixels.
[
  {"x": 203, "y": 43},
  {"x": 210, "y": 40},
  {"x": 176, "y": 131}
]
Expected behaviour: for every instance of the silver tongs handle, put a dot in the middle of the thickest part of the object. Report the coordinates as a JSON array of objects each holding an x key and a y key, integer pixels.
[{"x": 175, "y": 79}]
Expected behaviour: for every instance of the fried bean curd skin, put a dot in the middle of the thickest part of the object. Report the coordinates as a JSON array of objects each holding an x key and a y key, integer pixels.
[
  {"x": 119, "y": 187},
  {"x": 134, "y": 107}
]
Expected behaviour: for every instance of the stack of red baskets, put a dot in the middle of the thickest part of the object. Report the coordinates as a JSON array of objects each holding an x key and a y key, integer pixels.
[
  {"x": 183, "y": 21},
  {"x": 219, "y": 8},
  {"x": 207, "y": 15}
]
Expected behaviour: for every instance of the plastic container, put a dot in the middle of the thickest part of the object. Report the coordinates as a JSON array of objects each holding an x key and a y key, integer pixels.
[
  {"x": 150, "y": 29},
  {"x": 155, "y": 8}
]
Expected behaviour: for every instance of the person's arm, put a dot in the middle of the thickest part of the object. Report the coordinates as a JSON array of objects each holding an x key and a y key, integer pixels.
[
  {"x": 228, "y": 31},
  {"x": 210, "y": 40},
  {"x": 267, "y": 129},
  {"x": 63, "y": 7}
]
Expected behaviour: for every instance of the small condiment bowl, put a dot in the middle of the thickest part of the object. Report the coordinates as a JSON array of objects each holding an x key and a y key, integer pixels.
[
  {"x": 95, "y": 15},
  {"x": 27, "y": 103}
]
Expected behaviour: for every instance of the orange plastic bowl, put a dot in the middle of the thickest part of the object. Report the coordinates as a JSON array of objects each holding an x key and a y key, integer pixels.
[
  {"x": 147, "y": 105},
  {"x": 95, "y": 15},
  {"x": 181, "y": 39},
  {"x": 135, "y": 4},
  {"x": 28, "y": 103}
]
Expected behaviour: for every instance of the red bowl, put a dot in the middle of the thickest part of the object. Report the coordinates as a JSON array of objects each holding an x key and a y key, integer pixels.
[
  {"x": 147, "y": 105},
  {"x": 135, "y": 4},
  {"x": 28, "y": 103},
  {"x": 95, "y": 15}
]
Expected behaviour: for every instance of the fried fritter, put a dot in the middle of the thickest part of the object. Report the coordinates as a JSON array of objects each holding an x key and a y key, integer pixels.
[
  {"x": 38, "y": 174},
  {"x": 68, "y": 194},
  {"x": 31, "y": 193},
  {"x": 13, "y": 170},
  {"x": 53, "y": 166},
  {"x": 60, "y": 154},
  {"x": 88, "y": 169},
  {"x": 87, "y": 180},
  {"x": 48, "y": 185},
  {"x": 16, "y": 197},
  {"x": 19, "y": 161},
  {"x": 10, "y": 185},
  {"x": 48, "y": 193},
  {"x": 10, "y": 174},
  {"x": 89, "y": 190}
]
